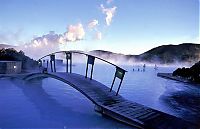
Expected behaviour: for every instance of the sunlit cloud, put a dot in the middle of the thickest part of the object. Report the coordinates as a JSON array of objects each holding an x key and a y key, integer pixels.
[
  {"x": 74, "y": 33},
  {"x": 109, "y": 12},
  {"x": 51, "y": 42}
]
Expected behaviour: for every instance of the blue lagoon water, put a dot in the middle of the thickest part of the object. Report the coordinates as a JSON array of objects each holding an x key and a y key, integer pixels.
[{"x": 51, "y": 103}]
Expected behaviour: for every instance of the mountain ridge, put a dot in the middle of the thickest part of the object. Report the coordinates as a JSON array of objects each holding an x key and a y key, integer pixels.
[{"x": 164, "y": 54}]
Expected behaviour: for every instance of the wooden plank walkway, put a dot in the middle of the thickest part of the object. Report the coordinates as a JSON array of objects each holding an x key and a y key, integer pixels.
[{"x": 114, "y": 106}]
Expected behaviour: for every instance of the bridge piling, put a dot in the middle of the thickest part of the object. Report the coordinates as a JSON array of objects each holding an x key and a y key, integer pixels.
[
  {"x": 52, "y": 60},
  {"x": 68, "y": 60}
]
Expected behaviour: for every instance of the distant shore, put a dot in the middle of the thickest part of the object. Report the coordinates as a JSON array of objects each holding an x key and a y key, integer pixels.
[{"x": 176, "y": 78}]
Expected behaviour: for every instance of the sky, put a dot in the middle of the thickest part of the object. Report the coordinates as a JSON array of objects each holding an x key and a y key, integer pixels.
[{"x": 122, "y": 26}]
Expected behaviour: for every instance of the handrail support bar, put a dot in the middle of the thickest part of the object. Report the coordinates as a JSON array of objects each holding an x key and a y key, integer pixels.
[
  {"x": 119, "y": 73},
  {"x": 90, "y": 61},
  {"x": 68, "y": 58}
]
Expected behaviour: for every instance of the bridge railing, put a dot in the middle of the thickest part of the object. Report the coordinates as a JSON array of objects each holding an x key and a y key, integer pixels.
[{"x": 119, "y": 72}]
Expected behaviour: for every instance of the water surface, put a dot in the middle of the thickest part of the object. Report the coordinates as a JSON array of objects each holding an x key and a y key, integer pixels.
[{"x": 51, "y": 103}]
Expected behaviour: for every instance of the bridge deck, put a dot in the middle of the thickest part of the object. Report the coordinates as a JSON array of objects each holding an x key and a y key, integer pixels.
[{"x": 116, "y": 106}]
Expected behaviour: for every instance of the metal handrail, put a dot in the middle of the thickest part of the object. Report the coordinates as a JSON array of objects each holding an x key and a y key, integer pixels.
[{"x": 82, "y": 54}]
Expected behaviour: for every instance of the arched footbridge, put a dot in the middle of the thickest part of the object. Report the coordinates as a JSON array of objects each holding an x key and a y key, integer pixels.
[{"x": 107, "y": 101}]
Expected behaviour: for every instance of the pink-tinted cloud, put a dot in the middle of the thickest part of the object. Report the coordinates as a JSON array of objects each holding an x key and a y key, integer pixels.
[{"x": 74, "y": 33}]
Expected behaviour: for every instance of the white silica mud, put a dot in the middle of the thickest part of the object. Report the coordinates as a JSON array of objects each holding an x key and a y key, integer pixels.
[{"x": 49, "y": 103}]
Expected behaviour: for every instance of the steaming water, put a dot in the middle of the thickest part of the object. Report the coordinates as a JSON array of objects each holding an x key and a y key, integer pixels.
[{"x": 51, "y": 103}]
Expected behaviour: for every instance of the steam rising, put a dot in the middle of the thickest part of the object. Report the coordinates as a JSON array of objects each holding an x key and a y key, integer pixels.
[
  {"x": 109, "y": 13},
  {"x": 93, "y": 24}
]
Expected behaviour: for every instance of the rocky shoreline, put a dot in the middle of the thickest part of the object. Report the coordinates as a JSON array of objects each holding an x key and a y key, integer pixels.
[{"x": 176, "y": 78}]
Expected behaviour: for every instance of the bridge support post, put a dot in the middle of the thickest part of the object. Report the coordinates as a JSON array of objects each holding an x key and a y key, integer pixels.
[
  {"x": 86, "y": 70},
  {"x": 68, "y": 58},
  {"x": 90, "y": 61},
  {"x": 119, "y": 86},
  {"x": 119, "y": 73},
  {"x": 51, "y": 66},
  {"x": 54, "y": 63},
  {"x": 47, "y": 64},
  {"x": 52, "y": 60},
  {"x": 71, "y": 64},
  {"x": 112, "y": 83},
  {"x": 66, "y": 65},
  {"x": 91, "y": 72}
]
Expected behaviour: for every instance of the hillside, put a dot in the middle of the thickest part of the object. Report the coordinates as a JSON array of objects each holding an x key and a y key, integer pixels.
[
  {"x": 106, "y": 54},
  {"x": 166, "y": 54},
  {"x": 186, "y": 52}
]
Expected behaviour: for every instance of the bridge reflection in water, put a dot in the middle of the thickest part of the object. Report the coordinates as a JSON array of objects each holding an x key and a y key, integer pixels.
[{"x": 106, "y": 100}]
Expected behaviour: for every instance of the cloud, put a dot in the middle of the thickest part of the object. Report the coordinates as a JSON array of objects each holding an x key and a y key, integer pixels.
[
  {"x": 48, "y": 43},
  {"x": 74, "y": 33},
  {"x": 92, "y": 24},
  {"x": 109, "y": 13},
  {"x": 41, "y": 46}
]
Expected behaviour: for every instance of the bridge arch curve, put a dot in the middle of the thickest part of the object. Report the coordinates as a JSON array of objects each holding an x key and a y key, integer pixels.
[{"x": 68, "y": 79}]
